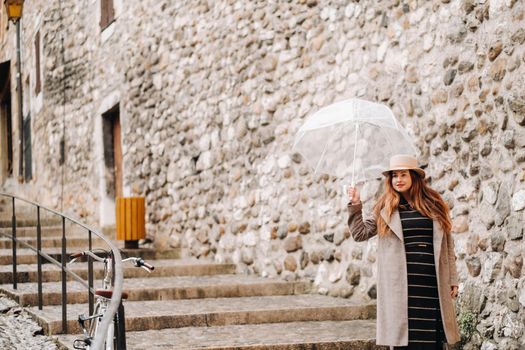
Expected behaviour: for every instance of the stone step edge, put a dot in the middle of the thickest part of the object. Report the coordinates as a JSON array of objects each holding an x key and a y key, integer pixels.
[
  {"x": 54, "y": 275},
  {"x": 253, "y": 316},
  {"x": 28, "y": 222},
  {"x": 53, "y": 242},
  {"x": 354, "y": 344},
  {"x": 46, "y": 231},
  {"x": 28, "y": 256},
  {"x": 50, "y": 238},
  {"x": 150, "y": 339},
  {"x": 261, "y": 288}
]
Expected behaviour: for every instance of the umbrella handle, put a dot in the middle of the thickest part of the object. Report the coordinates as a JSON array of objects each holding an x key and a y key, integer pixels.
[
  {"x": 355, "y": 151},
  {"x": 345, "y": 193}
]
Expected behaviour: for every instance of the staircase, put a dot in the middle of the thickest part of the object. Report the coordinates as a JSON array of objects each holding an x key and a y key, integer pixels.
[{"x": 186, "y": 303}]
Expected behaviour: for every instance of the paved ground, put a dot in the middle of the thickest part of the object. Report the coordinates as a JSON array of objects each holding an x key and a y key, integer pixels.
[{"x": 18, "y": 331}]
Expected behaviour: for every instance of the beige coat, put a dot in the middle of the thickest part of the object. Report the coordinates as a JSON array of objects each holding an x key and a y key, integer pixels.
[{"x": 392, "y": 285}]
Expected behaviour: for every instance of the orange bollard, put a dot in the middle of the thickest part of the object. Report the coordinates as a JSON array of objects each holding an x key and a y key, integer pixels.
[{"x": 130, "y": 215}]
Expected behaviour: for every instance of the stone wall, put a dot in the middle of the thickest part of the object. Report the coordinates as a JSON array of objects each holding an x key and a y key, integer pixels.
[
  {"x": 212, "y": 92},
  {"x": 80, "y": 81},
  {"x": 8, "y": 54}
]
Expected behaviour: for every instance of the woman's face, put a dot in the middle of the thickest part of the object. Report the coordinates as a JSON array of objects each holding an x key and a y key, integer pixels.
[{"x": 401, "y": 180}]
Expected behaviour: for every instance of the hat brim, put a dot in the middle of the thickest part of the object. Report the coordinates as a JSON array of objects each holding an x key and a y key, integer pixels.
[{"x": 419, "y": 171}]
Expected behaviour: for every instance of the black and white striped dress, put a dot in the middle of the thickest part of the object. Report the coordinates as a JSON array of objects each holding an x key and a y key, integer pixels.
[{"x": 425, "y": 327}]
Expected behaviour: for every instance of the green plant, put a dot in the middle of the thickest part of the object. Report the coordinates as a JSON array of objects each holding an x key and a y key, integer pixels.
[{"x": 467, "y": 321}]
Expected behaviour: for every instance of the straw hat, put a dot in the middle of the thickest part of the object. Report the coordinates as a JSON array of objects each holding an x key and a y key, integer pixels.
[{"x": 404, "y": 162}]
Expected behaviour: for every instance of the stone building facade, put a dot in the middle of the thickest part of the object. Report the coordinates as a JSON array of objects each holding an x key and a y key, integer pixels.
[{"x": 194, "y": 105}]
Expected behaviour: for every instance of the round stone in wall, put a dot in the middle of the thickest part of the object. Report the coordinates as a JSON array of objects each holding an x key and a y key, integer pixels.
[
  {"x": 353, "y": 274},
  {"x": 290, "y": 263},
  {"x": 473, "y": 266}
]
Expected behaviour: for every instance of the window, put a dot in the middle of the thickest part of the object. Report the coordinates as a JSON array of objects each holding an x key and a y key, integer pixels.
[
  {"x": 6, "y": 129},
  {"x": 107, "y": 13},
  {"x": 38, "y": 83},
  {"x": 112, "y": 151},
  {"x": 28, "y": 159},
  {"x": 26, "y": 130}
]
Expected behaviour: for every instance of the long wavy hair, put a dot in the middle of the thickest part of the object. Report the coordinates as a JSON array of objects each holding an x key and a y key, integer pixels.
[{"x": 424, "y": 199}]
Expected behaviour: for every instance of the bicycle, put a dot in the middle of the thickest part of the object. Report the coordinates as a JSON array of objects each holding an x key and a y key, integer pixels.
[{"x": 115, "y": 335}]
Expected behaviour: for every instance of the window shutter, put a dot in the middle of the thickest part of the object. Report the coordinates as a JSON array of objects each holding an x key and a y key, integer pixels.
[
  {"x": 111, "y": 11},
  {"x": 37, "y": 63},
  {"x": 107, "y": 13},
  {"x": 103, "y": 14},
  {"x": 28, "y": 158}
]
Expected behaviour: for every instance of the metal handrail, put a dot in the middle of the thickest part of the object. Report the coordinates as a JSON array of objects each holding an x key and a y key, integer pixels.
[{"x": 118, "y": 273}]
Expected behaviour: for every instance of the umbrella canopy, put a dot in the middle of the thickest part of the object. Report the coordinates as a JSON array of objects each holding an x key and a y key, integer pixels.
[{"x": 352, "y": 139}]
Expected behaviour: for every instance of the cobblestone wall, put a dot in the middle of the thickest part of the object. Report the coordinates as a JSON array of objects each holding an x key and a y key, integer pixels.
[
  {"x": 235, "y": 81},
  {"x": 212, "y": 93}
]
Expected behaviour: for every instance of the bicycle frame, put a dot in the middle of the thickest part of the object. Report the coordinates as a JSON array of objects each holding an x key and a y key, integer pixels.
[
  {"x": 94, "y": 321},
  {"x": 115, "y": 335},
  {"x": 112, "y": 340}
]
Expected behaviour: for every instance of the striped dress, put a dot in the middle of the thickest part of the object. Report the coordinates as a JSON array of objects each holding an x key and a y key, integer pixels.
[{"x": 425, "y": 327}]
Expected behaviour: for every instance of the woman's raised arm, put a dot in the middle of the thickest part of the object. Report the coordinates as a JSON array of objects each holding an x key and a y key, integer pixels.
[{"x": 360, "y": 229}]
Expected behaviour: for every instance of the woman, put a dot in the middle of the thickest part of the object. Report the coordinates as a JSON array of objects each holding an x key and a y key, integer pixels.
[{"x": 416, "y": 275}]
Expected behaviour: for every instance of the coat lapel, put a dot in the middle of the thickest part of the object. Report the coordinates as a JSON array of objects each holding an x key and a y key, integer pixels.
[
  {"x": 394, "y": 223},
  {"x": 437, "y": 240}
]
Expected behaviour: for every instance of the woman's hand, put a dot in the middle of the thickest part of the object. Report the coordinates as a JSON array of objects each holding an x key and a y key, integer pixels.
[
  {"x": 353, "y": 195},
  {"x": 454, "y": 291}
]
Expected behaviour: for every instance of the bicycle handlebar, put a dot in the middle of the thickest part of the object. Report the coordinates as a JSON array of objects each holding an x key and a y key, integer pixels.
[
  {"x": 77, "y": 255},
  {"x": 137, "y": 261},
  {"x": 151, "y": 267}
]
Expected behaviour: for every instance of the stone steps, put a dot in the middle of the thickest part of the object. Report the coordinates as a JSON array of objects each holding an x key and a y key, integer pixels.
[
  {"x": 46, "y": 231},
  {"x": 21, "y": 211},
  {"x": 156, "y": 315},
  {"x": 50, "y": 242},
  {"x": 28, "y": 256},
  {"x": 163, "y": 288},
  {"x": 26, "y": 221},
  {"x": 27, "y": 217},
  {"x": 185, "y": 303},
  {"x": 163, "y": 268},
  {"x": 321, "y": 335}
]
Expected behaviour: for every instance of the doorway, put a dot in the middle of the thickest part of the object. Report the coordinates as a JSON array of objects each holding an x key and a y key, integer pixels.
[
  {"x": 6, "y": 129},
  {"x": 112, "y": 140}
]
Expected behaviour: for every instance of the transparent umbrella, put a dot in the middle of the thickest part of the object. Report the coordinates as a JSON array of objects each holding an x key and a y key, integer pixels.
[{"x": 352, "y": 139}]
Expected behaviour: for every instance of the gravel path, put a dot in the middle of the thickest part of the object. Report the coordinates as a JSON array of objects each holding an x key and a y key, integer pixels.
[{"x": 18, "y": 331}]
